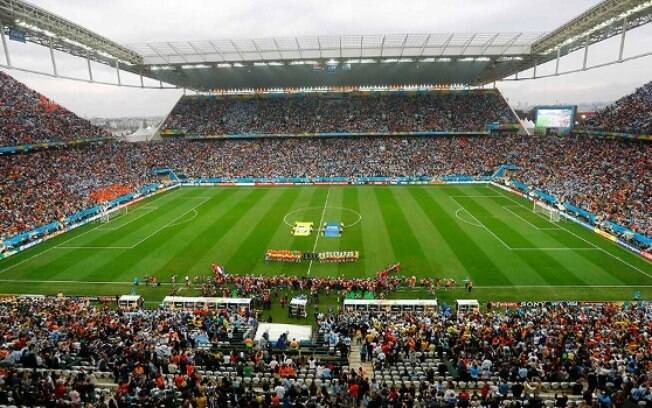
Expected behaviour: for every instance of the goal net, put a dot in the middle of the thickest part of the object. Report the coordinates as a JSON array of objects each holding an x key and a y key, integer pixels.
[
  {"x": 550, "y": 213},
  {"x": 110, "y": 216}
]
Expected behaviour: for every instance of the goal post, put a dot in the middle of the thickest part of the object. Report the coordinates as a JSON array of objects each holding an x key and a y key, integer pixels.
[
  {"x": 108, "y": 216},
  {"x": 550, "y": 213}
]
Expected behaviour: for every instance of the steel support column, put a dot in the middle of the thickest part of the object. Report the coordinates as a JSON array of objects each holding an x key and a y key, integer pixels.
[
  {"x": 117, "y": 71},
  {"x": 586, "y": 53},
  {"x": 622, "y": 40},
  {"x": 5, "y": 47},
  {"x": 90, "y": 69},
  {"x": 54, "y": 62}
]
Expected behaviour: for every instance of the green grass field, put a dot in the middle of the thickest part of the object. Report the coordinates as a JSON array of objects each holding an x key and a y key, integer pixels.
[{"x": 447, "y": 231}]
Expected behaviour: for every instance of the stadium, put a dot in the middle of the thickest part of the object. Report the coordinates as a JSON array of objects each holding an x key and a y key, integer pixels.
[{"x": 326, "y": 220}]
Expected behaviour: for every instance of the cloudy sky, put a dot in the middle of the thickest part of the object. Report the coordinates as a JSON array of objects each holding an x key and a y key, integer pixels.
[{"x": 129, "y": 21}]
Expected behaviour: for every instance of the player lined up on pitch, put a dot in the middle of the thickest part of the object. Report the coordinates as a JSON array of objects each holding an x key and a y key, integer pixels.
[
  {"x": 339, "y": 256},
  {"x": 283, "y": 255}
]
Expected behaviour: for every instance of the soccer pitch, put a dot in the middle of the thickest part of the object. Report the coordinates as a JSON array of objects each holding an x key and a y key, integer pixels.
[{"x": 448, "y": 231}]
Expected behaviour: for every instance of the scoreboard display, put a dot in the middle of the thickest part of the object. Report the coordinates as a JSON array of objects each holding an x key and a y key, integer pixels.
[{"x": 559, "y": 117}]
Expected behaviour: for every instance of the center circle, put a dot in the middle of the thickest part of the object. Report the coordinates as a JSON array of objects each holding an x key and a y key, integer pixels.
[{"x": 292, "y": 216}]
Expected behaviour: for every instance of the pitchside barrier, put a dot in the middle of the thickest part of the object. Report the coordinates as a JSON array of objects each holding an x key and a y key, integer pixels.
[
  {"x": 293, "y": 181},
  {"x": 49, "y": 145}
]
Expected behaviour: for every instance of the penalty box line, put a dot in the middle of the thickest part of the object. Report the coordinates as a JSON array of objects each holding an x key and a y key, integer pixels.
[
  {"x": 581, "y": 238},
  {"x": 172, "y": 223},
  {"x": 63, "y": 246},
  {"x": 480, "y": 224},
  {"x": 149, "y": 210},
  {"x": 507, "y": 207},
  {"x": 511, "y": 248}
]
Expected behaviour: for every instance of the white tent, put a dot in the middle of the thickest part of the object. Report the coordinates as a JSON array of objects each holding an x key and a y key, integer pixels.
[
  {"x": 141, "y": 135},
  {"x": 527, "y": 127}
]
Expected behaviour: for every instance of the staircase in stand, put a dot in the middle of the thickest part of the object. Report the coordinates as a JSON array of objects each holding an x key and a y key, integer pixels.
[{"x": 355, "y": 362}]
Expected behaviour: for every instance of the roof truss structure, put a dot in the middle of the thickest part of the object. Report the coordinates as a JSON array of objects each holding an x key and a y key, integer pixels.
[
  {"x": 390, "y": 59},
  {"x": 602, "y": 21},
  {"x": 42, "y": 27},
  {"x": 347, "y": 48}
]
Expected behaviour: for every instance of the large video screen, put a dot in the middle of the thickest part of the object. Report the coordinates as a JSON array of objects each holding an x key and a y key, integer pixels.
[{"x": 555, "y": 117}]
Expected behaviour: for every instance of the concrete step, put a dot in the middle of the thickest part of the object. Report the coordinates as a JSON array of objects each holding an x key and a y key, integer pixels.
[{"x": 355, "y": 363}]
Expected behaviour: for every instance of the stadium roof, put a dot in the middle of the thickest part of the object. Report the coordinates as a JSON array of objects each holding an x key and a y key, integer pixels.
[
  {"x": 327, "y": 61},
  {"x": 39, "y": 26},
  {"x": 602, "y": 21},
  {"x": 352, "y": 48},
  {"x": 333, "y": 60}
]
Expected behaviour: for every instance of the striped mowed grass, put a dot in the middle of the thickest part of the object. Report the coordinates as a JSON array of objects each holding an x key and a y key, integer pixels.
[{"x": 478, "y": 232}]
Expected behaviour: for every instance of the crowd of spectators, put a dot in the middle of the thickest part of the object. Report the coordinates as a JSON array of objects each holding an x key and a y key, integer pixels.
[
  {"x": 599, "y": 352},
  {"x": 630, "y": 114},
  {"x": 136, "y": 348},
  {"x": 351, "y": 113},
  {"x": 608, "y": 177},
  {"x": 70, "y": 353},
  {"x": 43, "y": 186},
  {"x": 28, "y": 117},
  {"x": 328, "y": 157}
]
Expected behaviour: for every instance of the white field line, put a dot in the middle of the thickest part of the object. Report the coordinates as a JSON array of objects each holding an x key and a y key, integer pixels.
[
  {"x": 75, "y": 282},
  {"x": 110, "y": 221},
  {"x": 296, "y": 210},
  {"x": 114, "y": 218},
  {"x": 475, "y": 196},
  {"x": 442, "y": 288},
  {"x": 92, "y": 247},
  {"x": 49, "y": 249},
  {"x": 585, "y": 240},
  {"x": 321, "y": 220},
  {"x": 149, "y": 210},
  {"x": 195, "y": 214},
  {"x": 555, "y": 249},
  {"x": 482, "y": 225},
  {"x": 528, "y": 222},
  {"x": 457, "y": 215},
  {"x": 171, "y": 223},
  {"x": 68, "y": 240}
]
